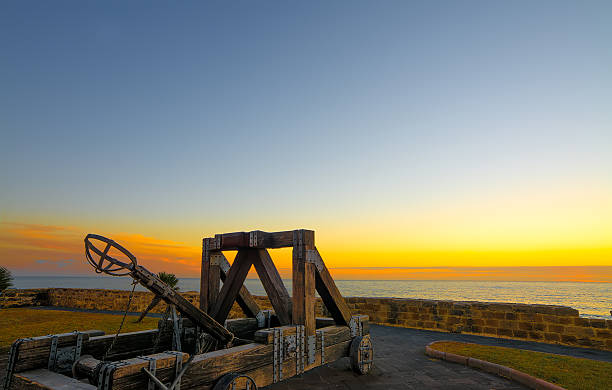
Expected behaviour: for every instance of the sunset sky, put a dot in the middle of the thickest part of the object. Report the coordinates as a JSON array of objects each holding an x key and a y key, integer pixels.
[{"x": 415, "y": 138}]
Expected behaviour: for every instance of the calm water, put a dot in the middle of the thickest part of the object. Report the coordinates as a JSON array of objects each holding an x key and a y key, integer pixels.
[{"x": 591, "y": 299}]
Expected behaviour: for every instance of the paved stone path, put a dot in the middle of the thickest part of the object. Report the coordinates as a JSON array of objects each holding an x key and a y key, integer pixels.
[{"x": 400, "y": 363}]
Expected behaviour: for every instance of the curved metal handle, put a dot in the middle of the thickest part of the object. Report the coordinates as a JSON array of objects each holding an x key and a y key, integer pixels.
[{"x": 112, "y": 266}]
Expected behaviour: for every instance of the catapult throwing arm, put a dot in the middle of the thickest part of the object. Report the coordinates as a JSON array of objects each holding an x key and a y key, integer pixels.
[{"x": 112, "y": 266}]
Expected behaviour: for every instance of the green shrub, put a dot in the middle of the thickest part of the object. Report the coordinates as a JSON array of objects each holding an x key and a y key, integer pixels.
[{"x": 6, "y": 279}]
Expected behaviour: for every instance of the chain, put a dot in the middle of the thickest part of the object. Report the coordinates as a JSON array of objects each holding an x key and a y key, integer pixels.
[{"x": 127, "y": 309}]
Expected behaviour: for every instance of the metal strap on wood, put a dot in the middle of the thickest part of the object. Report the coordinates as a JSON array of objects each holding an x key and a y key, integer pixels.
[
  {"x": 61, "y": 359},
  {"x": 263, "y": 318},
  {"x": 322, "y": 334},
  {"x": 356, "y": 326},
  {"x": 12, "y": 360},
  {"x": 176, "y": 331},
  {"x": 299, "y": 349},
  {"x": 105, "y": 376},
  {"x": 312, "y": 349},
  {"x": 178, "y": 366},
  {"x": 152, "y": 369},
  {"x": 276, "y": 361},
  {"x": 52, "y": 353}
]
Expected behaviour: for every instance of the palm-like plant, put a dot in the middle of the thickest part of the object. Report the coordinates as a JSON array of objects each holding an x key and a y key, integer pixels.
[
  {"x": 171, "y": 280},
  {"x": 6, "y": 279}
]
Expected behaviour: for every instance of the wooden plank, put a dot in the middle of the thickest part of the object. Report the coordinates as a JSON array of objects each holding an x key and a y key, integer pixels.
[
  {"x": 242, "y": 327},
  {"x": 127, "y": 344},
  {"x": 245, "y": 299},
  {"x": 131, "y": 377},
  {"x": 266, "y": 336},
  {"x": 274, "y": 286},
  {"x": 34, "y": 352},
  {"x": 209, "y": 367},
  {"x": 45, "y": 379},
  {"x": 327, "y": 289},
  {"x": 264, "y": 375},
  {"x": 235, "y": 279}
]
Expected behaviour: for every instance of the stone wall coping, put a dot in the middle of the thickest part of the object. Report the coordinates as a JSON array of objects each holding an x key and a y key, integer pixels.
[{"x": 492, "y": 368}]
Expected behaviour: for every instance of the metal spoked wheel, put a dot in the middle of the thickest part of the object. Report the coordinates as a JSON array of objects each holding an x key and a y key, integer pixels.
[
  {"x": 234, "y": 381},
  {"x": 97, "y": 252},
  {"x": 362, "y": 354}
]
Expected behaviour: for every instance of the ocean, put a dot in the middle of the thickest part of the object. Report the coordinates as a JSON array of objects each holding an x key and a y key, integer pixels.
[{"x": 591, "y": 299}]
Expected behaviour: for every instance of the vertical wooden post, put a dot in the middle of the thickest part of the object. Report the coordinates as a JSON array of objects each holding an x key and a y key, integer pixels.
[
  {"x": 204, "y": 305},
  {"x": 214, "y": 277},
  {"x": 304, "y": 285}
]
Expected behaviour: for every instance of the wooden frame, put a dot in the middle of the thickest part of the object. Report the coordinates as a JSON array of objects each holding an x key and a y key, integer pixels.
[{"x": 259, "y": 354}]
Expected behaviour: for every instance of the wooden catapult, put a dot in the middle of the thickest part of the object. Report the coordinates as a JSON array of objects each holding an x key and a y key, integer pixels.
[{"x": 196, "y": 351}]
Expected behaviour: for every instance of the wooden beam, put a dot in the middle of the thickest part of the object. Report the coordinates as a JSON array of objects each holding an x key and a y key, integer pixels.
[
  {"x": 235, "y": 278},
  {"x": 214, "y": 277},
  {"x": 274, "y": 286},
  {"x": 204, "y": 305},
  {"x": 326, "y": 287},
  {"x": 154, "y": 284},
  {"x": 245, "y": 299},
  {"x": 303, "y": 282},
  {"x": 252, "y": 239}
]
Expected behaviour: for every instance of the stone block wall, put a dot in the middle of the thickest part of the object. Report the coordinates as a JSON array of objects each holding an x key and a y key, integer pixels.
[
  {"x": 20, "y": 298},
  {"x": 543, "y": 323}
]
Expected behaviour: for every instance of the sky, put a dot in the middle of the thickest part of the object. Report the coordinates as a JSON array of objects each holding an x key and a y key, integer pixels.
[{"x": 423, "y": 135}]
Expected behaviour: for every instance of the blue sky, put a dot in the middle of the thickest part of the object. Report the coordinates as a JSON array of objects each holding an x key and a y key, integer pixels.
[{"x": 162, "y": 118}]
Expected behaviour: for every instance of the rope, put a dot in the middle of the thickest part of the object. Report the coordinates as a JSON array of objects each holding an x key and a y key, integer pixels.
[{"x": 127, "y": 309}]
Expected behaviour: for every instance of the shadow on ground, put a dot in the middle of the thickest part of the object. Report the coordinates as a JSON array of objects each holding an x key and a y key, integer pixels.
[{"x": 400, "y": 363}]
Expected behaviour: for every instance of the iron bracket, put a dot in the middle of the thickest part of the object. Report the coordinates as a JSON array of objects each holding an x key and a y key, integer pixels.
[{"x": 152, "y": 370}]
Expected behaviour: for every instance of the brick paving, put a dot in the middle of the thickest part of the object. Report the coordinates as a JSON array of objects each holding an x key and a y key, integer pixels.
[{"x": 400, "y": 363}]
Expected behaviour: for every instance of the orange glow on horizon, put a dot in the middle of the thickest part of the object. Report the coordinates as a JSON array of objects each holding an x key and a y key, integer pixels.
[{"x": 42, "y": 249}]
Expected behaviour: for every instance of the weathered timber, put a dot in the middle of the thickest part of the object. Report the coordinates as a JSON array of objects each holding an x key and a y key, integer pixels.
[
  {"x": 34, "y": 352},
  {"x": 274, "y": 286},
  {"x": 324, "y": 321},
  {"x": 128, "y": 344},
  {"x": 128, "y": 374},
  {"x": 208, "y": 367},
  {"x": 234, "y": 281},
  {"x": 45, "y": 379},
  {"x": 332, "y": 334},
  {"x": 245, "y": 299},
  {"x": 264, "y": 375},
  {"x": 204, "y": 271},
  {"x": 253, "y": 239},
  {"x": 153, "y": 283},
  {"x": 303, "y": 281},
  {"x": 242, "y": 327},
  {"x": 85, "y": 367},
  {"x": 326, "y": 287}
]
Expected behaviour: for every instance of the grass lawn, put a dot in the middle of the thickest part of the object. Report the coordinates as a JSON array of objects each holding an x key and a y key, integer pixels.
[
  {"x": 22, "y": 322},
  {"x": 565, "y": 371}
]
